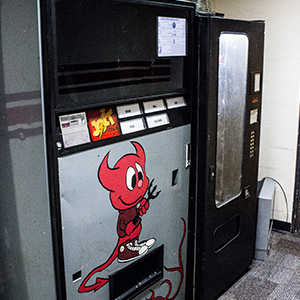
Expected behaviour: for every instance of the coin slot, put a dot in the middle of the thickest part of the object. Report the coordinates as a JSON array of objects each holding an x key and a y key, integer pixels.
[
  {"x": 76, "y": 276},
  {"x": 174, "y": 177}
]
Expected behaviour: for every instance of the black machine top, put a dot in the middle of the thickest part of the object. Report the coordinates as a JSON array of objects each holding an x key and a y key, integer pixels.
[
  {"x": 121, "y": 63},
  {"x": 111, "y": 50}
]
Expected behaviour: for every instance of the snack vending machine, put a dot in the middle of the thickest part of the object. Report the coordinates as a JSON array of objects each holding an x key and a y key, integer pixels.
[
  {"x": 117, "y": 99},
  {"x": 226, "y": 131}
]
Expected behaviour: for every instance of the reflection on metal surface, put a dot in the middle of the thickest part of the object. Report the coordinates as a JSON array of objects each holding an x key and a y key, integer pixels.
[{"x": 233, "y": 59}]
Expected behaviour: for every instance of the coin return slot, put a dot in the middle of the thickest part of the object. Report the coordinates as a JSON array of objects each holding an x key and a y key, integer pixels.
[{"x": 138, "y": 276}]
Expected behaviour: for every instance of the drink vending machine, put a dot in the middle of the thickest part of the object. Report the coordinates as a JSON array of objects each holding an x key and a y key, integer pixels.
[
  {"x": 117, "y": 78},
  {"x": 226, "y": 131}
]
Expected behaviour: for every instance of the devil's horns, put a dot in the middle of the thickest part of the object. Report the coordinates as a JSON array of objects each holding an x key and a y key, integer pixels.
[{"x": 107, "y": 176}]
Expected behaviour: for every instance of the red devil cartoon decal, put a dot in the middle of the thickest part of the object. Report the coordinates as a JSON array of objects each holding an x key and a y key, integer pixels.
[{"x": 128, "y": 184}]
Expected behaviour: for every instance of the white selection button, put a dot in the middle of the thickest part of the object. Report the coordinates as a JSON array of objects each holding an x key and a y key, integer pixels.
[
  {"x": 175, "y": 102},
  {"x": 253, "y": 116},
  {"x": 153, "y": 106},
  {"x": 157, "y": 120},
  {"x": 132, "y": 125},
  {"x": 130, "y": 110}
]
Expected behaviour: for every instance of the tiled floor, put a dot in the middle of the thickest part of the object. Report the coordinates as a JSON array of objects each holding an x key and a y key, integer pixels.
[{"x": 276, "y": 278}]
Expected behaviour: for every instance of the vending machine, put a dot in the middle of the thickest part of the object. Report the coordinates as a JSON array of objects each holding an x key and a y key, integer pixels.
[
  {"x": 226, "y": 132},
  {"x": 118, "y": 88}
]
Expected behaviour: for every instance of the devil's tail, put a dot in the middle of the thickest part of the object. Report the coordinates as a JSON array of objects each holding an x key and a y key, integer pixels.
[{"x": 83, "y": 288}]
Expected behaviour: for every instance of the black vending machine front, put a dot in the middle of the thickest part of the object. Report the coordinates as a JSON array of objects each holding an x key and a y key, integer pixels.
[
  {"x": 117, "y": 98},
  {"x": 226, "y": 132}
]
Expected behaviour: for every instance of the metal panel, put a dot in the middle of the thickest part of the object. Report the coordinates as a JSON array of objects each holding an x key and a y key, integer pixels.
[
  {"x": 89, "y": 221},
  {"x": 266, "y": 199},
  {"x": 26, "y": 256}
]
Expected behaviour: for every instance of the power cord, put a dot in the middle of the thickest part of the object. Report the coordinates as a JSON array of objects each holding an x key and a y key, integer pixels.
[{"x": 285, "y": 198}]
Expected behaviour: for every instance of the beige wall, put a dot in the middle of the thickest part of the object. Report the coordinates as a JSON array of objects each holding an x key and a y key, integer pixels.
[{"x": 280, "y": 109}]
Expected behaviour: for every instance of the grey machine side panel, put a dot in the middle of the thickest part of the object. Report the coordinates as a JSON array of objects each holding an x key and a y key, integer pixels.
[
  {"x": 89, "y": 221},
  {"x": 26, "y": 254},
  {"x": 266, "y": 199}
]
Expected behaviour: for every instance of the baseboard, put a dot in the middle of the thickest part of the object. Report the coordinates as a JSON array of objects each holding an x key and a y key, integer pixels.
[{"x": 281, "y": 226}]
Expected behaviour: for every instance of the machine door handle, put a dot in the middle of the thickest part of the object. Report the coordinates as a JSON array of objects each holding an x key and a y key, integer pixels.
[{"x": 187, "y": 155}]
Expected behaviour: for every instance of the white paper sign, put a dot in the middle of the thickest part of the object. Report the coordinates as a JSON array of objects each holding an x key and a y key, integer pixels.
[
  {"x": 253, "y": 116},
  {"x": 257, "y": 82},
  {"x": 171, "y": 36},
  {"x": 74, "y": 129}
]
